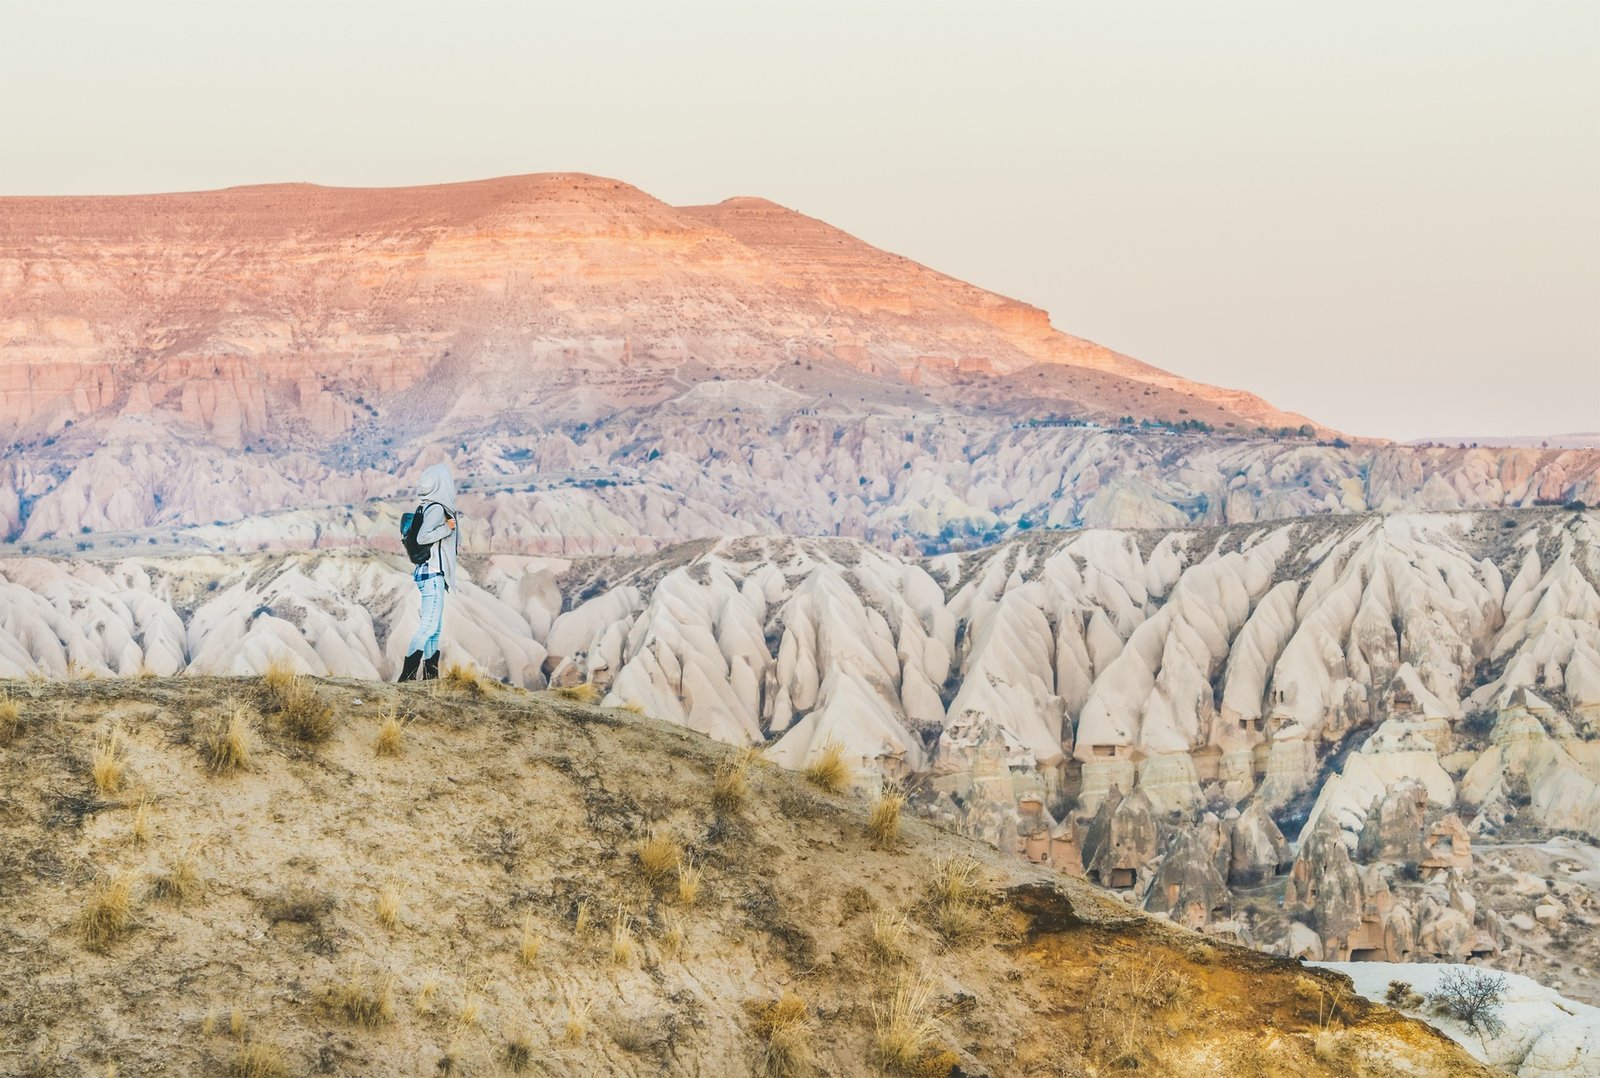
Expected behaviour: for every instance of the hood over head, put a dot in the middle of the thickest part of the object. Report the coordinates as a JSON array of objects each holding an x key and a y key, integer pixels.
[{"x": 437, "y": 486}]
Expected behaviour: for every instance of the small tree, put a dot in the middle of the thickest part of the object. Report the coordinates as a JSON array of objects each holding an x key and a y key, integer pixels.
[{"x": 1473, "y": 996}]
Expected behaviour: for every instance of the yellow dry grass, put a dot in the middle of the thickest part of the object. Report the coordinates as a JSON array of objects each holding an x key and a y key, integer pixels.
[
  {"x": 577, "y": 1024},
  {"x": 883, "y": 822},
  {"x": 425, "y": 993},
  {"x": 829, "y": 771},
  {"x": 363, "y": 999},
  {"x": 470, "y": 1013},
  {"x": 10, "y": 719},
  {"x": 959, "y": 896},
  {"x": 139, "y": 830},
  {"x": 688, "y": 882},
  {"x": 580, "y": 924},
  {"x": 529, "y": 943},
  {"x": 105, "y": 766},
  {"x": 303, "y": 713},
  {"x": 466, "y": 679},
  {"x": 788, "y": 1032},
  {"x": 391, "y": 740},
  {"x": 659, "y": 856},
  {"x": 621, "y": 938},
  {"x": 387, "y": 908},
  {"x": 905, "y": 1027},
  {"x": 180, "y": 880},
  {"x": 228, "y": 744},
  {"x": 672, "y": 938},
  {"x": 730, "y": 787},
  {"x": 259, "y": 1059},
  {"x": 108, "y": 915},
  {"x": 886, "y": 941},
  {"x": 583, "y": 693},
  {"x": 278, "y": 678}
]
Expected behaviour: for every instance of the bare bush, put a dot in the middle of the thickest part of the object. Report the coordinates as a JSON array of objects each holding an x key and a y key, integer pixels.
[{"x": 1472, "y": 996}]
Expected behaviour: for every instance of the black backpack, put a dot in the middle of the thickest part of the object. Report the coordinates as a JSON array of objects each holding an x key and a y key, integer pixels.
[{"x": 410, "y": 525}]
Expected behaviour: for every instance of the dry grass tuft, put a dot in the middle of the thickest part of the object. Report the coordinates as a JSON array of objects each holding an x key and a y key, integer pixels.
[
  {"x": 278, "y": 679},
  {"x": 788, "y": 1032},
  {"x": 297, "y": 905},
  {"x": 108, "y": 915},
  {"x": 659, "y": 857},
  {"x": 905, "y": 1028},
  {"x": 259, "y": 1059},
  {"x": 228, "y": 745},
  {"x": 303, "y": 713},
  {"x": 10, "y": 719},
  {"x": 730, "y": 788},
  {"x": 391, "y": 735},
  {"x": 105, "y": 766},
  {"x": 883, "y": 824},
  {"x": 580, "y": 924},
  {"x": 887, "y": 941},
  {"x": 180, "y": 881},
  {"x": 425, "y": 993},
  {"x": 528, "y": 945},
  {"x": 584, "y": 693},
  {"x": 829, "y": 771},
  {"x": 633, "y": 707},
  {"x": 958, "y": 880},
  {"x": 388, "y": 908},
  {"x": 959, "y": 896},
  {"x": 519, "y": 1052},
  {"x": 236, "y": 1024},
  {"x": 466, "y": 679},
  {"x": 470, "y": 1013},
  {"x": 366, "y": 1001},
  {"x": 672, "y": 938},
  {"x": 577, "y": 1025},
  {"x": 688, "y": 883},
  {"x": 139, "y": 830},
  {"x": 621, "y": 938}
]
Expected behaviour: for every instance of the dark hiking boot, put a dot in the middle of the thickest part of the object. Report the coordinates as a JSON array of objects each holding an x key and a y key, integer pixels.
[
  {"x": 408, "y": 672},
  {"x": 430, "y": 667}
]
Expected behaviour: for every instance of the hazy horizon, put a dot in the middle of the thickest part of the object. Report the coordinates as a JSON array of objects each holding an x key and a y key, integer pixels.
[{"x": 1383, "y": 216}]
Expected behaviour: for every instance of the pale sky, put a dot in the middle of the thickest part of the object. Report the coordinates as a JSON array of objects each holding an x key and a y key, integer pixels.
[{"x": 1383, "y": 214}]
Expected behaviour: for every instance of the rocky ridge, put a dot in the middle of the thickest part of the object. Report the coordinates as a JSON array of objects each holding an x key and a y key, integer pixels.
[{"x": 270, "y": 929}]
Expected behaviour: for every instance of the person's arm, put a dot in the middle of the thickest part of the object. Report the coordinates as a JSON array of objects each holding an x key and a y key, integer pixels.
[{"x": 436, "y": 524}]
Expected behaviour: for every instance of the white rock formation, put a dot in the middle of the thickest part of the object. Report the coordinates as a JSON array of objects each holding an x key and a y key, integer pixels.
[{"x": 1546, "y": 1035}]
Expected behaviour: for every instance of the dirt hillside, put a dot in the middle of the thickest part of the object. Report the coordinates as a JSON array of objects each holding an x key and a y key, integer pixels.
[{"x": 264, "y": 877}]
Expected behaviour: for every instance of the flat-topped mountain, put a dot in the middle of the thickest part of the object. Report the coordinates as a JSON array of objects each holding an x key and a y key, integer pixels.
[
  {"x": 611, "y": 373},
  {"x": 249, "y": 307}
]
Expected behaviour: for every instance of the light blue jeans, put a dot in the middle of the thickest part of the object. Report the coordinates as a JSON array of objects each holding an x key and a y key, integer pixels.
[{"x": 431, "y": 626}]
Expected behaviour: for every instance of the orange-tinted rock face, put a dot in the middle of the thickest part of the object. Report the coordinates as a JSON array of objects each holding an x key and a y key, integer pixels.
[{"x": 236, "y": 308}]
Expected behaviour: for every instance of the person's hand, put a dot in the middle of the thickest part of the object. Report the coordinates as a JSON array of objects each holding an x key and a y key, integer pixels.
[{"x": 452, "y": 522}]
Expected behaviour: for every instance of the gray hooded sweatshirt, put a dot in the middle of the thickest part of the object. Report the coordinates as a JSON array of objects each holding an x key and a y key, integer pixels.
[{"x": 437, "y": 492}]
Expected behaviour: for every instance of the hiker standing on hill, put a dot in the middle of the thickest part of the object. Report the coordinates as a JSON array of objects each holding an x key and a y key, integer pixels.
[{"x": 431, "y": 542}]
